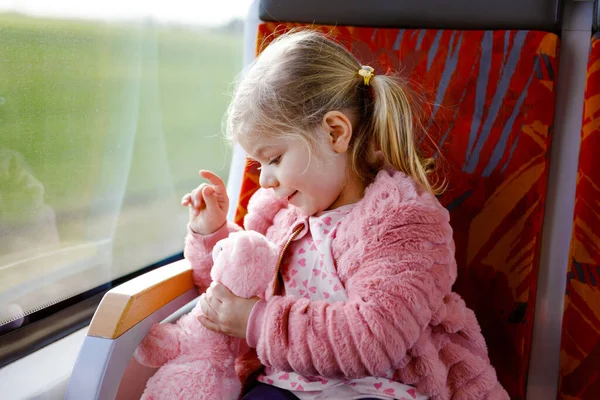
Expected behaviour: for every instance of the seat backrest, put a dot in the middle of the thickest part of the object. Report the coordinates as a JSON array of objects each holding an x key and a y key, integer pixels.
[
  {"x": 492, "y": 95},
  {"x": 580, "y": 347}
]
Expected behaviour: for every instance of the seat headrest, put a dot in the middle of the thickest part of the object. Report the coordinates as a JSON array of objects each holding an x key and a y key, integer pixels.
[{"x": 540, "y": 15}]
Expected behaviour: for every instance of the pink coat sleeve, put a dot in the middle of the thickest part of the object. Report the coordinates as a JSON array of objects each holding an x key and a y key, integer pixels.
[
  {"x": 198, "y": 251},
  {"x": 405, "y": 268}
]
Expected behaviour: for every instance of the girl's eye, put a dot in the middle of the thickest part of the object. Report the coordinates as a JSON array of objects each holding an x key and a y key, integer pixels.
[{"x": 275, "y": 160}]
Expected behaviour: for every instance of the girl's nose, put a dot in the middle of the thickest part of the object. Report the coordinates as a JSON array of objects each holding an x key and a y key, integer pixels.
[{"x": 267, "y": 180}]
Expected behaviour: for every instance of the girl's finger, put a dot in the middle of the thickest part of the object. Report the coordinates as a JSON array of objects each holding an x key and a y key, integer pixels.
[
  {"x": 193, "y": 197},
  {"x": 186, "y": 200},
  {"x": 197, "y": 198},
  {"x": 220, "y": 292},
  {"x": 218, "y": 184},
  {"x": 210, "y": 198},
  {"x": 206, "y": 309},
  {"x": 213, "y": 303},
  {"x": 208, "y": 324}
]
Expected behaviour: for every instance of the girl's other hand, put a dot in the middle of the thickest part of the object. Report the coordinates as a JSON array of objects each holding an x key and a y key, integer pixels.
[
  {"x": 208, "y": 204},
  {"x": 224, "y": 312}
]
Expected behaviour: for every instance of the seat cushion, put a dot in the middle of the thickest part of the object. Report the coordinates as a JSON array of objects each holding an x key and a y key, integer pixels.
[
  {"x": 580, "y": 347},
  {"x": 490, "y": 105}
]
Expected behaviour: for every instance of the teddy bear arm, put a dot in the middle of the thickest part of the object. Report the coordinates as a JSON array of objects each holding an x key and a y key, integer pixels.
[{"x": 161, "y": 344}]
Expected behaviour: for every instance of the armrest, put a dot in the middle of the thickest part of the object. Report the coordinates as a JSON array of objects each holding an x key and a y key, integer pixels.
[
  {"x": 128, "y": 304},
  {"x": 122, "y": 320}
]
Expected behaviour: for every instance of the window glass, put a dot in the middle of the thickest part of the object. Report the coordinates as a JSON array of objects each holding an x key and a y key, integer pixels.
[{"x": 107, "y": 112}]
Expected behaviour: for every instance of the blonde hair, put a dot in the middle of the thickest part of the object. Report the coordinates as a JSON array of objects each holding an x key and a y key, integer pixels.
[{"x": 301, "y": 76}]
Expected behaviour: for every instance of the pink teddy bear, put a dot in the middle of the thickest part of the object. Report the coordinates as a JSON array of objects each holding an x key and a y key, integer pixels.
[{"x": 196, "y": 363}]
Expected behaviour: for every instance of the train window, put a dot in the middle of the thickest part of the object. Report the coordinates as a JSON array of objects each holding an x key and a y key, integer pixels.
[{"x": 107, "y": 111}]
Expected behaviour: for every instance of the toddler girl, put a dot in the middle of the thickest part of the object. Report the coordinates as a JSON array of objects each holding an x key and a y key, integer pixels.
[{"x": 362, "y": 305}]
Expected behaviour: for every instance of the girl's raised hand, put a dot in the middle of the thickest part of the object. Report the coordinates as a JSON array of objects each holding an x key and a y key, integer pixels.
[{"x": 208, "y": 204}]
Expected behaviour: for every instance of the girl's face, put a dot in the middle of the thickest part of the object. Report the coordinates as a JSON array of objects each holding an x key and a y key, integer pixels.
[{"x": 311, "y": 182}]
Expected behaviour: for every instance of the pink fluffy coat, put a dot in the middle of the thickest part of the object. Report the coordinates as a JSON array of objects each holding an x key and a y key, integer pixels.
[
  {"x": 395, "y": 256},
  {"x": 196, "y": 363}
]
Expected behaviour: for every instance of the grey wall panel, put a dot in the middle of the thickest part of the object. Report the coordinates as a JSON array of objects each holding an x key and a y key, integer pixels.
[{"x": 596, "y": 16}]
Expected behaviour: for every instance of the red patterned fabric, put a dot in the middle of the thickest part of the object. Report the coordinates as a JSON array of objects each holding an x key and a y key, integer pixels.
[
  {"x": 580, "y": 349},
  {"x": 492, "y": 105}
]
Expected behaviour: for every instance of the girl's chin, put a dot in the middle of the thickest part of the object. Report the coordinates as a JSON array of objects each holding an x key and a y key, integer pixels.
[{"x": 307, "y": 211}]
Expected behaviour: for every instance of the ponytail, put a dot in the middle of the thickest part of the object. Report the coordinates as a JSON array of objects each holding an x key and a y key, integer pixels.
[{"x": 395, "y": 127}]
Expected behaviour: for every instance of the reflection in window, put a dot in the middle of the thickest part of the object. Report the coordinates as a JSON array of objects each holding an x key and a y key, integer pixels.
[{"x": 104, "y": 124}]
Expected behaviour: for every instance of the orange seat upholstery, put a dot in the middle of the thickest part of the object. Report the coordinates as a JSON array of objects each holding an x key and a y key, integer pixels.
[
  {"x": 491, "y": 112},
  {"x": 580, "y": 346}
]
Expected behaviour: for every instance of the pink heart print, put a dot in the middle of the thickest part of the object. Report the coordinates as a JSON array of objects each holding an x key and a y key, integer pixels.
[
  {"x": 300, "y": 387},
  {"x": 302, "y": 292},
  {"x": 270, "y": 381},
  {"x": 301, "y": 251},
  {"x": 327, "y": 221},
  {"x": 325, "y": 231},
  {"x": 293, "y": 284},
  {"x": 316, "y": 272},
  {"x": 336, "y": 287},
  {"x": 294, "y": 272},
  {"x": 324, "y": 275},
  {"x": 294, "y": 384},
  {"x": 313, "y": 289},
  {"x": 284, "y": 377},
  {"x": 305, "y": 283},
  {"x": 412, "y": 392},
  {"x": 318, "y": 242},
  {"x": 389, "y": 391},
  {"x": 378, "y": 385},
  {"x": 302, "y": 262},
  {"x": 326, "y": 295}
]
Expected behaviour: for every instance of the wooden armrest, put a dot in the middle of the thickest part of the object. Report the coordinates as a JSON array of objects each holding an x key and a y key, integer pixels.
[
  {"x": 124, "y": 316},
  {"x": 128, "y": 304}
]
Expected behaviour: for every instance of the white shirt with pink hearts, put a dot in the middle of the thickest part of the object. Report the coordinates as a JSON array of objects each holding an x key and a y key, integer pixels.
[{"x": 309, "y": 271}]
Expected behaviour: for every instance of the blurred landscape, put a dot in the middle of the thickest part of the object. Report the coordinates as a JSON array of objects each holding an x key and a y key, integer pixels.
[{"x": 103, "y": 128}]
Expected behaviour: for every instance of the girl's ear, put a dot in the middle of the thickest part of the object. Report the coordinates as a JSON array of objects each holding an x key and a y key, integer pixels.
[{"x": 338, "y": 128}]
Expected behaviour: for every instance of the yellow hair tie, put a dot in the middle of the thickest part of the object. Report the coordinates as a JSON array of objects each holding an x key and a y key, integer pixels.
[{"x": 367, "y": 73}]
